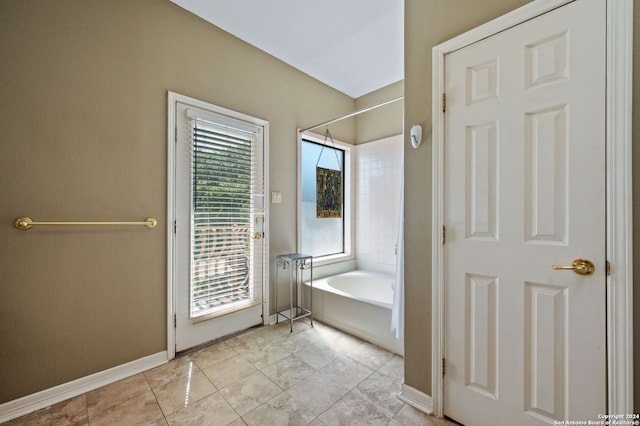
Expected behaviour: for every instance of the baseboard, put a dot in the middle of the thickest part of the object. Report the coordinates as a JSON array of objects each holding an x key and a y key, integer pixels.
[
  {"x": 30, "y": 403},
  {"x": 417, "y": 399},
  {"x": 272, "y": 319}
]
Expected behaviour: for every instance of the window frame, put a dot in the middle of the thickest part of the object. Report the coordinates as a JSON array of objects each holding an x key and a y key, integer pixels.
[{"x": 348, "y": 194}]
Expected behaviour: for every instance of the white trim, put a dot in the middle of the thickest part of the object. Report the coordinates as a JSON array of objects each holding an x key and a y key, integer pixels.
[
  {"x": 437, "y": 294},
  {"x": 511, "y": 19},
  {"x": 619, "y": 205},
  {"x": 233, "y": 117},
  {"x": 266, "y": 294},
  {"x": 171, "y": 191},
  {"x": 30, "y": 403},
  {"x": 271, "y": 319},
  {"x": 619, "y": 193},
  {"x": 418, "y": 400}
]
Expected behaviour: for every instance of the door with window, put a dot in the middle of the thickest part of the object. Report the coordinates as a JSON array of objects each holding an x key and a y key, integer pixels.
[{"x": 219, "y": 245}]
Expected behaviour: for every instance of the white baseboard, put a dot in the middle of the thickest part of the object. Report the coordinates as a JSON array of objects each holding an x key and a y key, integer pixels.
[
  {"x": 272, "y": 319},
  {"x": 30, "y": 403},
  {"x": 417, "y": 399}
]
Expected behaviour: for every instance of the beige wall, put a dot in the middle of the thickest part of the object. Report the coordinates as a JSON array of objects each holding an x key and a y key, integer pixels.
[
  {"x": 384, "y": 121},
  {"x": 83, "y": 100}
]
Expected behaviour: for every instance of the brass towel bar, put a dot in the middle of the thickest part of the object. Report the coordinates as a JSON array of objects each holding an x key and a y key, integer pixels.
[{"x": 25, "y": 223}]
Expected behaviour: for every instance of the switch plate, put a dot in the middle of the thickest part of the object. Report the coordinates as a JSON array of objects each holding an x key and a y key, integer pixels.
[{"x": 276, "y": 197}]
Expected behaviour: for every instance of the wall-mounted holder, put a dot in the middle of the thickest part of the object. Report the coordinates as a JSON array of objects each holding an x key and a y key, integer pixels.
[{"x": 416, "y": 136}]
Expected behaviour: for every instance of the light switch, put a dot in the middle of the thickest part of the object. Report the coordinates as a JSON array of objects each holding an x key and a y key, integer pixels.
[{"x": 276, "y": 197}]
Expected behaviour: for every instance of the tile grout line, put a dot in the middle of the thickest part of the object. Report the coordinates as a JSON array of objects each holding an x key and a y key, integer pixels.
[{"x": 164, "y": 416}]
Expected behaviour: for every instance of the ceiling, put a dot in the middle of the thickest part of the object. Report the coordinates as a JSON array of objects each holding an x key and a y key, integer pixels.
[{"x": 354, "y": 46}]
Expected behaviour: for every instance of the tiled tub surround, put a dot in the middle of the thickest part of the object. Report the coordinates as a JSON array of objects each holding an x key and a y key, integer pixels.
[
  {"x": 265, "y": 376},
  {"x": 378, "y": 177}
]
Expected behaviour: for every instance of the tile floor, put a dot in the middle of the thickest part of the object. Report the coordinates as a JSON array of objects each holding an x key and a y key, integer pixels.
[{"x": 264, "y": 376}]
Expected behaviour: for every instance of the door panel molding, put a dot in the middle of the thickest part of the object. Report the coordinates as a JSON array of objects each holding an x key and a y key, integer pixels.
[{"x": 618, "y": 202}]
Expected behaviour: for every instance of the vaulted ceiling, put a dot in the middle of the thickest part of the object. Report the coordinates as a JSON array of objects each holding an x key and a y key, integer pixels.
[{"x": 354, "y": 46}]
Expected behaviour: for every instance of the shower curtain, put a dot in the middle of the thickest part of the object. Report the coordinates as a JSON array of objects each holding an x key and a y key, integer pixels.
[{"x": 397, "y": 309}]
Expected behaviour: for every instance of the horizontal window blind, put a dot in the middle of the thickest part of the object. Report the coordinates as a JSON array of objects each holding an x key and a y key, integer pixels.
[{"x": 223, "y": 239}]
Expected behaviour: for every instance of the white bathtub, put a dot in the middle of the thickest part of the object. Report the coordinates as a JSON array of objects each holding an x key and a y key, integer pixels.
[{"x": 358, "y": 302}]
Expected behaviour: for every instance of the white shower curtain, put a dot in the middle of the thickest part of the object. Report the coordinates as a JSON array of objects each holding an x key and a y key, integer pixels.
[{"x": 397, "y": 310}]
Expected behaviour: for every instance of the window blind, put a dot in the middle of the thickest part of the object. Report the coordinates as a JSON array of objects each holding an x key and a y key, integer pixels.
[{"x": 225, "y": 275}]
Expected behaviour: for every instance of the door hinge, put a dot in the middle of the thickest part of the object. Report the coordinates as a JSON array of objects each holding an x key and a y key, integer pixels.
[
  {"x": 444, "y": 234},
  {"x": 608, "y": 265},
  {"x": 444, "y": 102},
  {"x": 443, "y": 367},
  {"x": 175, "y": 321},
  {"x": 175, "y": 226}
]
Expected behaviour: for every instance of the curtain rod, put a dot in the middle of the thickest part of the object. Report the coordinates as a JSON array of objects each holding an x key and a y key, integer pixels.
[{"x": 360, "y": 111}]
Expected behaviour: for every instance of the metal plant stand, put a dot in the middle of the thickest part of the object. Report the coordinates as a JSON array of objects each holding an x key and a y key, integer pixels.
[{"x": 295, "y": 263}]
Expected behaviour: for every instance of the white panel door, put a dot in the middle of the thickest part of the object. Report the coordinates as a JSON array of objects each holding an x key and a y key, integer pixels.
[{"x": 525, "y": 190}]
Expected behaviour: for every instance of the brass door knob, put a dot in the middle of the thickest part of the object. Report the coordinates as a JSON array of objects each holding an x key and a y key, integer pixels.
[{"x": 579, "y": 266}]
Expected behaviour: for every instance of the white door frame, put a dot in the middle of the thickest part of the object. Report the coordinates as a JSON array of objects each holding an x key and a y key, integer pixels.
[
  {"x": 172, "y": 98},
  {"x": 618, "y": 203}
]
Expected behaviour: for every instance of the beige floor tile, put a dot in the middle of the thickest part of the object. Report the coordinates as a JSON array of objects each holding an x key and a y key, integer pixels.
[
  {"x": 317, "y": 356},
  {"x": 251, "y": 339},
  {"x": 340, "y": 341},
  {"x": 394, "y": 368},
  {"x": 382, "y": 391},
  {"x": 183, "y": 392},
  {"x": 211, "y": 410},
  {"x": 211, "y": 354},
  {"x": 346, "y": 372},
  {"x": 288, "y": 371},
  {"x": 182, "y": 366},
  {"x": 266, "y": 414},
  {"x": 409, "y": 416},
  {"x": 225, "y": 373},
  {"x": 370, "y": 355},
  {"x": 282, "y": 329},
  {"x": 265, "y": 355},
  {"x": 248, "y": 393},
  {"x": 353, "y": 411},
  {"x": 139, "y": 410},
  {"x": 317, "y": 393},
  {"x": 72, "y": 412},
  {"x": 116, "y": 393},
  {"x": 294, "y": 342},
  {"x": 280, "y": 410},
  {"x": 237, "y": 422},
  {"x": 323, "y": 328}
]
